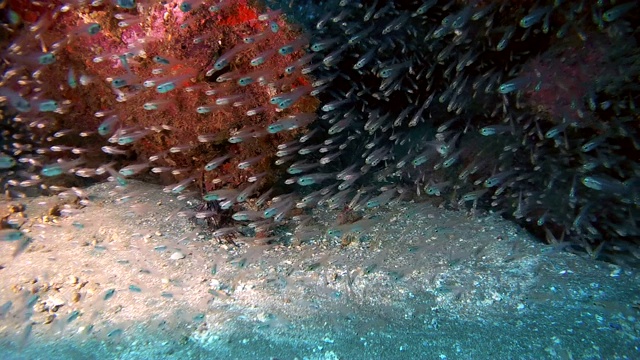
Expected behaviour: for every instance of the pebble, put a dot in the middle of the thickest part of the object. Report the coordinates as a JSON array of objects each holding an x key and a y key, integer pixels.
[{"x": 177, "y": 255}]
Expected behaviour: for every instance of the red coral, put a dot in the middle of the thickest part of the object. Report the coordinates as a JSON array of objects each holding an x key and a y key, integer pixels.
[
  {"x": 563, "y": 80},
  {"x": 166, "y": 31}
]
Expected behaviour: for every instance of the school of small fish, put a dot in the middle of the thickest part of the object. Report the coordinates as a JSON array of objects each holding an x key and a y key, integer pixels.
[{"x": 528, "y": 109}]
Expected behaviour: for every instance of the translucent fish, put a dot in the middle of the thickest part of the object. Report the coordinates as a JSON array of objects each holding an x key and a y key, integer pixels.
[
  {"x": 226, "y": 58},
  {"x": 189, "y": 5},
  {"x": 436, "y": 189},
  {"x": 340, "y": 126},
  {"x": 125, "y": 4},
  {"x": 228, "y": 76},
  {"x": 564, "y": 29},
  {"x": 377, "y": 156},
  {"x": 604, "y": 183},
  {"x": 243, "y": 134},
  {"x": 59, "y": 168},
  {"x": 127, "y": 20},
  {"x": 309, "y": 149},
  {"x": 618, "y": 11},
  {"x": 504, "y": 41},
  {"x": 482, "y": 12},
  {"x": 247, "y": 215},
  {"x": 258, "y": 37},
  {"x": 164, "y": 60},
  {"x": 221, "y": 5},
  {"x": 293, "y": 46},
  {"x": 173, "y": 83},
  {"x": 262, "y": 57},
  {"x": 311, "y": 179},
  {"x": 497, "y": 179},
  {"x": 462, "y": 17},
  {"x": 247, "y": 192},
  {"x": 17, "y": 101},
  {"x": 335, "y": 56},
  {"x": 395, "y": 24},
  {"x": 278, "y": 207},
  {"x": 300, "y": 167},
  {"x": 291, "y": 122},
  {"x": 495, "y": 129},
  {"x": 422, "y": 158},
  {"x": 113, "y": 150},
  {"x": 556, "y": 130},
  {"x": 593, "y": 143},
  {"x": 452, "y": 159},
  {"x": 428, "y": 4},
  {"x": 181, "y": 186},
  {"x": 233, "y": 99},
  {"x": 205, "y": 109},
  {"x": 535, "y": 16},
  {"x": 122, "y": 81},
  {"x": 260, "y": 75},
  {"x": 358, "y": 227},
  {"x": 244, "y": 165},
  {"x": 107, "y": 126},
  {"x": 514, "y": 85},
  {"x": 270, "y": 15},
  {"x": 381, "y": 199},
  {"x": 6, "y": 162},
  {"x": 370, "y": 11},
  {"x": 324, "y": 44},
  {"x": 180, "y": 148},
  {"x": 38, "y": 58},
  {"x": 221, "y": 194},
  {"x": 133, "y": 169},
  {"x": 47, "y": 105},
  {"x": 362, "y": 34},
  {"x": 286, "y": 100},
  {"x": 130, "y": 138},
  {"x": 157, "y": 105},
  {"x": 71, "y": 78},
  {"x": 473, "y": 195}
]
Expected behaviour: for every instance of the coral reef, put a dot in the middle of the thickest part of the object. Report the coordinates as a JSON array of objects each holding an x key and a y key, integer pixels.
[
  {"x": 526, "y": 109},
  {"x": 157, "y": 88}
]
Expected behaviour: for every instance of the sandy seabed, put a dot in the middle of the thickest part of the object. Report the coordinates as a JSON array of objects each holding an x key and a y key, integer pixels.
[{"x": 126, "y": 277}]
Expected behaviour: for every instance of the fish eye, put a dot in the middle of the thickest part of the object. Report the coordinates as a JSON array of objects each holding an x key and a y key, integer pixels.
[
  {"x": 127, "y": 4},
  {"x": 94, "y": 29},
  {"x": 284, "y": 104},
  {"x": 285, "y": 50},
  {"x": 185, "y": 6},
  {"x": 119, "y": 83},
  {"x": 274, "y": 128},
  {"x": 46, "y": 59}
]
